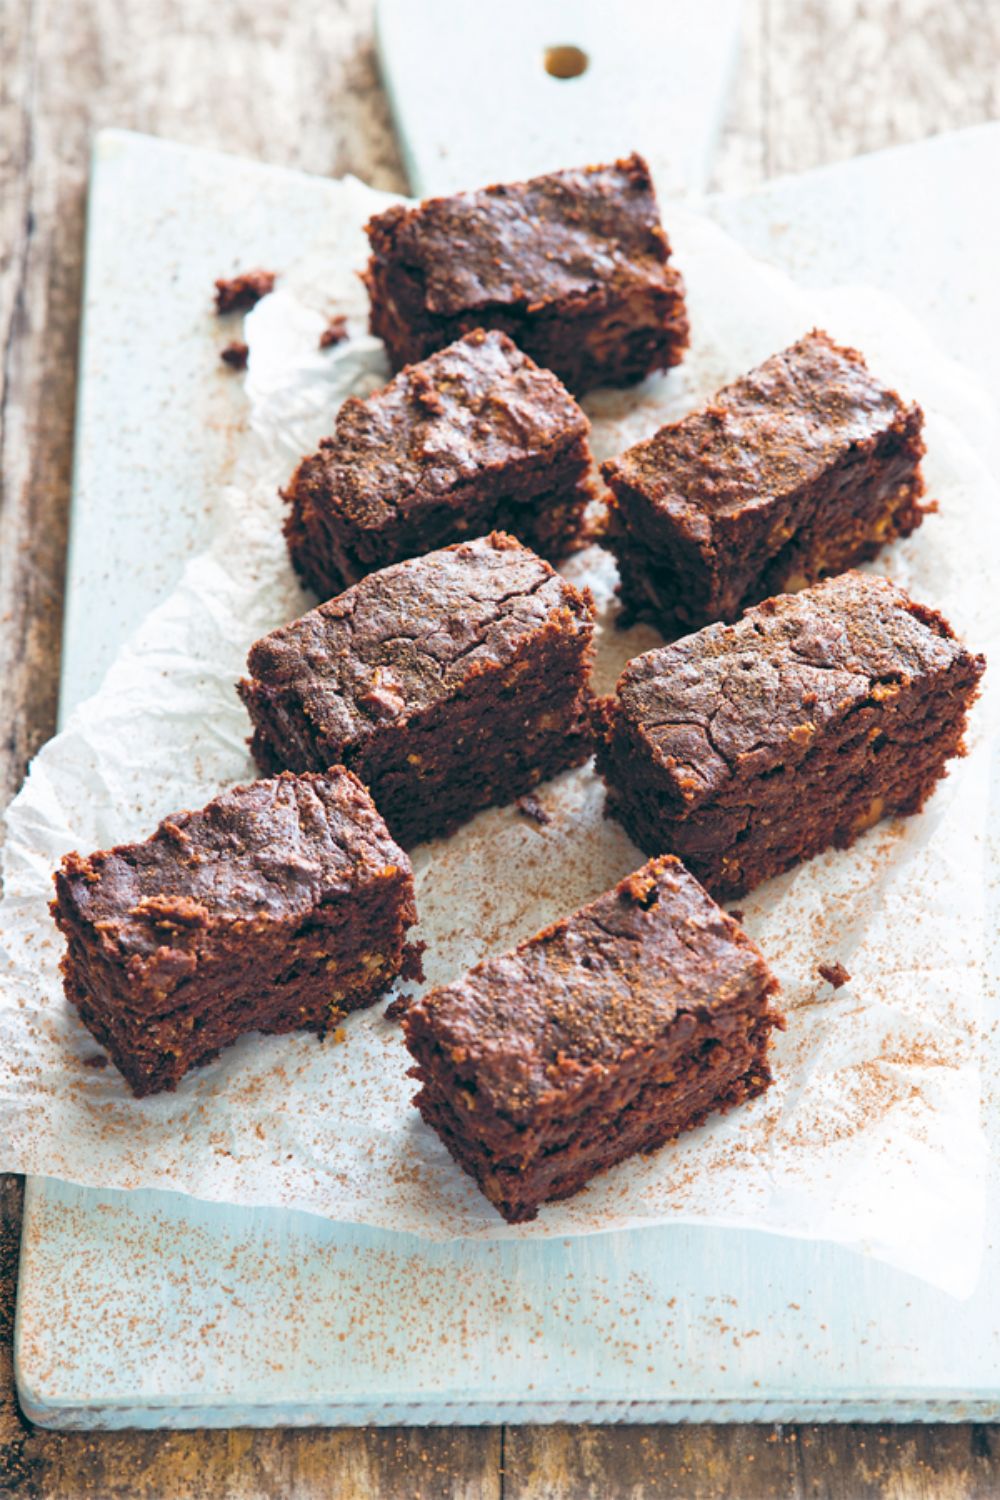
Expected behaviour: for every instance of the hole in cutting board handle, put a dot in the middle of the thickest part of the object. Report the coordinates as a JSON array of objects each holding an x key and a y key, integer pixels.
[{"x": 565, "y": 62}]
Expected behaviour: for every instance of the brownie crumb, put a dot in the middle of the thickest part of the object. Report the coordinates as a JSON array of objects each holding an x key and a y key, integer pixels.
[
  {"x": 397, "y": 1008},
  {"x": 235, "y": 355},
  {"x": 335, "y": 332},
  {"x": 834, "y": 974},
  {"x": 530, "y": 807},
  {"x": 413, "y": 961},
  {"x": 737, "y": 914},
  {"x": 96, "y": 1060},
  {"x": 234, "y": 293}
]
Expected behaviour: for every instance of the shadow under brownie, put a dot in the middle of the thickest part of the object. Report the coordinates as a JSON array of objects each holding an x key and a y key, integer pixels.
[{"x": 280, "y": 906}]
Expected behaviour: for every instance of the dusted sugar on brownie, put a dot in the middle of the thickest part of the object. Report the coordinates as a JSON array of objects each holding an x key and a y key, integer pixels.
[
  {"x": 448, "y": 683},
  {"x": 797, "y": 471},
  {"x": 607, "y": 1034},
  {"x": 747, "y": 748},
  {"x": 278, "y": 907},
  {"x": 574, "y": 266},
  {"x": 475, "y": 439}
]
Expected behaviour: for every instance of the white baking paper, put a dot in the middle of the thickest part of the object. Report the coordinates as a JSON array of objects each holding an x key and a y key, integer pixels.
[{"x": 871, "y": 1135}]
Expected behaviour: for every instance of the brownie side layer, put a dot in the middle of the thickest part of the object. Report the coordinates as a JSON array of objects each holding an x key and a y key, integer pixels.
[
  {"x": 474, "y": 439},
  {"x": 573, "y": 265},
  {"x": 798, "y": 470},
  {"x": 747, "y": 748},
  {"x": 448, "y": 683},
  {"x": 608, "y": 1033},
  {"x": 279, "y": 906}
]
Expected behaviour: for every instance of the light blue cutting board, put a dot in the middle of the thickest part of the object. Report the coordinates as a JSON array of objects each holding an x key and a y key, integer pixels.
[{"x": 153, "y": 1310}]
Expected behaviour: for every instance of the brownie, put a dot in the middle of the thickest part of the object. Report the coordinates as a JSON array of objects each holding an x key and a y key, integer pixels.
[
  {"x": 476, "y": 438},
  {"x": 574, "y": 266},
  {"x": 448, "y": 683},
  {"x": 747, "y": 748},
  {"x": 278, "y": 907},
  {"x": 796, "y": 471},
  {"x": 607, "y": 1034}
]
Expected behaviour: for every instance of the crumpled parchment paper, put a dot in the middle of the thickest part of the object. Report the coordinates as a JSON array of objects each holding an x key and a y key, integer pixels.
[{"x": 871, "y": 1135}]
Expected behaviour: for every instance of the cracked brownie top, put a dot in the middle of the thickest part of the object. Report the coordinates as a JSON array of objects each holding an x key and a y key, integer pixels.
[
  {"x": 412, "y": 635},
  {"x": 477, "y": 406},
  {"x": 770, "y": 432},
  {"x": 735, "y": 701},
  {"x": 570, "y": 236},
  {"x": 267, "y": 851},
  {"x": 632, "y": 970}
]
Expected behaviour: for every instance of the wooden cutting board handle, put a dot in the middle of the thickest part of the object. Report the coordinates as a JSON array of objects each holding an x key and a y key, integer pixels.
[{"x": 490, "y": 93}]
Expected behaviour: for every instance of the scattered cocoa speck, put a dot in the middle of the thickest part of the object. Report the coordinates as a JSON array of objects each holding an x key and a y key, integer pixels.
[
  {"x": 397, "y": 1008},
  {"x": 335, "y": 332},
  {"x": 95, "y": 1060},
  {"x": 834, "y": 974},
  {"x": 236, "y": 292},
  {"x": 235, "y": 355},
  {"x": 530, "y": 807}
]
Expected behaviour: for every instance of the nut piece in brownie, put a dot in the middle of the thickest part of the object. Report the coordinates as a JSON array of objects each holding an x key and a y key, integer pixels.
[
  {"x": 607, "y": 1034},
  {"x": 747, "y": 748},
  {"x": 477, "y": 438},
  {"x": 448, "y": 683},
  {"x": 796, "y": 471},
  {"x": 574, "y": 266},
  {"x": 278, "y": 907}
]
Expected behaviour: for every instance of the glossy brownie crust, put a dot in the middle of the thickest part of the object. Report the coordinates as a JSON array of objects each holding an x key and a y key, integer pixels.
[
  {"x": 448, "y": 683},
  {"x": 797, "y": 471},
  {"x": 607, "y": 1034},
  {"x": 474, "y": 439},
  {"x": 574, "y": 266},
  {"x": 747, "y": 748},
  {"x": 278, "y": 907}
]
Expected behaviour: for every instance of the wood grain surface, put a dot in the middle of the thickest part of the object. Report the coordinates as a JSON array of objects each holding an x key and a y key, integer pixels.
[{"x": 296, "y": 84}]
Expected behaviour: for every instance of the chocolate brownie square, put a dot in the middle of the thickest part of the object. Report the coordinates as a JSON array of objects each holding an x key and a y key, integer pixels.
[
  {"x": 474, "y": 439},
  {"x": 448, "y": 683},
  {"x": 796, "y": 471},
  {"x": 746, "y": 748},
  {"x": 573, "y": 265},
  {"x": 607, "y": 1034},
  {"x": 278, "y": 907}
]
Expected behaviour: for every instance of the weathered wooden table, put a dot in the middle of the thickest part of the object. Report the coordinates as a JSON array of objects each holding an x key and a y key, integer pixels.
[{"x": 819, "y": 80}]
